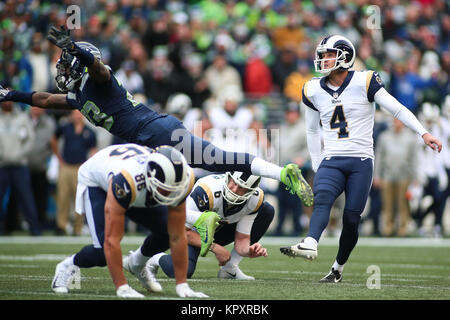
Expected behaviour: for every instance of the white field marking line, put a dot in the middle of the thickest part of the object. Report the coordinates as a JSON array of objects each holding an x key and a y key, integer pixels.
[
  {"x": 21, "y": 266},
  {"x": 47, "y": 278},
  {"x": 353, "y": 274},
  {"x": 80, "y": 295},
  {"x": 282, "y": 241},
  {"x": 36, "y": 257}
]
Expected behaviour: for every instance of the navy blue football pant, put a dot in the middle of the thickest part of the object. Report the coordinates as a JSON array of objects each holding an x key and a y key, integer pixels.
[
  {"x": 439, "y": 200},
  {"x": 224, "y": 236},
  {"x": 154, "y": 219},
  {"x": 19, "y": 179},
  {"x": 199, "y": 153},
  {"x": 335, "y": 175}
]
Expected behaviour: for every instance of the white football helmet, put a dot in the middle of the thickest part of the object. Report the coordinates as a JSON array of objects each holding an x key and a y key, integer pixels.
[
  {"x": 430, "y": 112},
  {"x": 244, "y": 180},
  {"x": 344, "y": 49},
  {"x": 178, "y": 104},
  {"x": 168, "y": 175}
]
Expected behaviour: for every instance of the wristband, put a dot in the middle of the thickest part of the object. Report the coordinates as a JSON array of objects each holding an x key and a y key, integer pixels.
[
  {"x": 20, "y": 96},
  {"x": 86, "y": 58}
]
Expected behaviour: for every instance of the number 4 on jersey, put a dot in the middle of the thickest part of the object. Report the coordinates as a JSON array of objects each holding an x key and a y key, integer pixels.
[{"x": 338, "y": 122}]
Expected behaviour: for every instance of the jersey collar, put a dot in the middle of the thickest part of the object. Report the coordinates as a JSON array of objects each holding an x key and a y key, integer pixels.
[{"x": 338, "y": 92}]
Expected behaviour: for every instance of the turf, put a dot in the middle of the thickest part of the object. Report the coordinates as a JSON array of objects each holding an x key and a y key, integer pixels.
[{"x": 408, "y": 271}]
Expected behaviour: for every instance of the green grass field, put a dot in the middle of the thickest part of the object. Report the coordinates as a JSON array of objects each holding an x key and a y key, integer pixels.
[{"x": 410, "y": 269}]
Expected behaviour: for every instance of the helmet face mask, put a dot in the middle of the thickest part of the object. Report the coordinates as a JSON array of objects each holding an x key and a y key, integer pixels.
[
  {"x": 247, "y": 183},
  {"x": 345, "y": 54},
  {"x": 168, "y": 176},
  {"x": 69, "y": 71}
]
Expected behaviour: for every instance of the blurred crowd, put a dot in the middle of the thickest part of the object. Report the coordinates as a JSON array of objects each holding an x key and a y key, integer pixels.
[{"x": 233, "y": 72}]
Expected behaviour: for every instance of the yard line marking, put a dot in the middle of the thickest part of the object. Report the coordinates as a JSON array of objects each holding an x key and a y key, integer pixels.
[{"x": 326, "y": 241}]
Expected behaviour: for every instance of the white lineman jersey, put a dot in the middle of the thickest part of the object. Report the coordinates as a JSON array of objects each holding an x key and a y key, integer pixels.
[
  {"x": 347, "y": 114},
  {"x": 126, "y": 165},
  {"x": 207, "y": 195}
]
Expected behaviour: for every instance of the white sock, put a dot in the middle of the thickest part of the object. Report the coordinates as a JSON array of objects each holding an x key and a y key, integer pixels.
[
  {"x": 310, "y": 242},
  {"x": 68, "y": 261},
  {"x": 338, "y": 267},
  {"x": 155, "y": 259},
  {"x": 265, "y": 169},
  {"x": 138, "y": 259},
  {"x": 235, "y": 259}
]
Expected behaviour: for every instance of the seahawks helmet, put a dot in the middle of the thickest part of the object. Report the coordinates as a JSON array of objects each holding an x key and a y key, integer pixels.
[
  {"x": 345, "y": 53},
  {"x": 69, "y": 68},
  {"x": 244, "y": 180},
  {"x": 168, "y": 176}
]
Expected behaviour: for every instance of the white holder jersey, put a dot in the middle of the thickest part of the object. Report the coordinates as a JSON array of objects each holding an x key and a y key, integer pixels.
[
  {"x": 347, "y": 114},
  {"x": 207, "y": 194},
  {"x": 126, "y": 164}
]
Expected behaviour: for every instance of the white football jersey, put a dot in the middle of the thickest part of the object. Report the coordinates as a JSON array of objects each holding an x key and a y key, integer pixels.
[
  {"x": 126, "y": 164},
  {"x": 207, "y": 194},
  {"x": 347, "y": 113}
]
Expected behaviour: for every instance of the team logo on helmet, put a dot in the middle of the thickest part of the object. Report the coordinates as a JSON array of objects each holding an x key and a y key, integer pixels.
[
  {"x": 168, "y": 175},
  {"x": 345, "y": 54}
]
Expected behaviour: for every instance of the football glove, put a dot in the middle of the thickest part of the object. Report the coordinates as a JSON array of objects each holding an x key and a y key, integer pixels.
[
  {"x": 125, "y": 291},
  {"x": 61, "y": 38},
  {"x": 184, "y": 291},
  {"x": 3, "y": 94}
]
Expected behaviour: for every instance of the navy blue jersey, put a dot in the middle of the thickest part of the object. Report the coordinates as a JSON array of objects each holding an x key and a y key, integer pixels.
[
  {"x": 76, "y": 146},
  {"x": 111, "y": 106}
]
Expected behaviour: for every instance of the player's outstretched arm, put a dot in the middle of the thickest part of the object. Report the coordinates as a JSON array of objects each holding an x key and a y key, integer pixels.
[
  {"x": 178, "y": 241},
  {"x": 61, "y": 38},
  {"x": 178, "y": 247},
  {"x": 114, "y": 230},
  {"x": 393, "y": 106},
  {"x": 43, "y": 100}
]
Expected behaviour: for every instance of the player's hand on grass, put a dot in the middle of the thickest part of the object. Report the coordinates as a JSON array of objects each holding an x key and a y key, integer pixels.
[
  {"x": 184, "y": 291},
  {"x": 125, "y": 291}
]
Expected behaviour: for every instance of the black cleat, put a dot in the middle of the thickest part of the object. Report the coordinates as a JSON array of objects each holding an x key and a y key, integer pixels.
[{"x": 333, "y": 277}]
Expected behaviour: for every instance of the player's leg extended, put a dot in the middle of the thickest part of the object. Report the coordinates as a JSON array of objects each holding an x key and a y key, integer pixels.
[
  {"x": 89, "y": 256},
  {"x": 329, "y": 183},
  {"x": 357, "y": 191},
  {"x": 203, "y": 154}
]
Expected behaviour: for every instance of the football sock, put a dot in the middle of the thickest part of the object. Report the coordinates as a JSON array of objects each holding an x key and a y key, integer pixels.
[
  {"x": 137, "y": 258},
  {"x": 265, "y": 169},
  {"x": 234, "y": 259},
  {"x": 155, "y": 259},
  {"x": 310, "y": 242},
  {"x": 69, "y": 260},
  {"x": 338, "y": 267}
]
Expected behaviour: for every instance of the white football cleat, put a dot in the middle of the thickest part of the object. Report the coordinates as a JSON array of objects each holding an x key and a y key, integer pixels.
[
  {"x": 145, "y": 275},
  {"x": 233, "y": 273},
  {"x": 300, "y": 250},
  {"x": 64, "y": 274}
]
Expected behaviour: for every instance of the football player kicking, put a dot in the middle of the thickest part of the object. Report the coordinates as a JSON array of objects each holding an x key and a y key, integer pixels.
[
  {"x": 90, "y": 87},
  {"x": 238, "y": 200},
  {"x": 147, "y": 186},
  {"x": 342, "y": 101}
]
